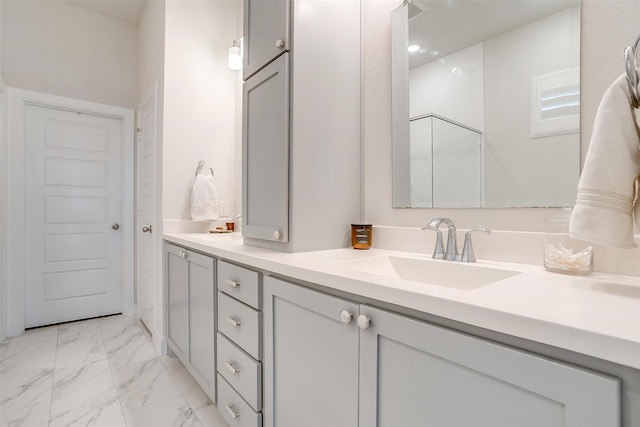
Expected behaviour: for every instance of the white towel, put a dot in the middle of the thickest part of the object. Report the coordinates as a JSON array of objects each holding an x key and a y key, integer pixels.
[
  {"x": 606, "y": 193},
  {"x": 204, "y": 199}
]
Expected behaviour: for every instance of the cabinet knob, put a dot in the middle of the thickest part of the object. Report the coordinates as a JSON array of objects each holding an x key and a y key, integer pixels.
[
  {"x": 233, "y": 321},
  {"x": 346, "y": 317},
  {"x": 115, "y": 226},
  {"x": 146, "y": 229},
  {"x": 231, "y": 368},
  {"x": 232, "y": 283},
  {"x": 232, "y": 411},
  {"x": 184, "y": 255},
  {"x": 277, "y": 234},
  {"x": 279, "y": 44},
  {"x": 364, "y": 321}
]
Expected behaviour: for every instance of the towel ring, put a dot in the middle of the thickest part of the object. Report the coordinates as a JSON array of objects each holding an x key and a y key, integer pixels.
[
  {"x": 631, "y": 66},
  {"x": 200, "y": 165}
]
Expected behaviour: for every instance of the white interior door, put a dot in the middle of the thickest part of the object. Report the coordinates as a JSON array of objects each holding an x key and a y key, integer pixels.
[
  {"x": 73, "y": 190},
  {"x": 146, "y": 188}
]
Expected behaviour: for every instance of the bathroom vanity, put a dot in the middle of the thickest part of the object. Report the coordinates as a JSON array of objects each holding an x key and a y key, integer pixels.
[{"x": 331, "y": 340}]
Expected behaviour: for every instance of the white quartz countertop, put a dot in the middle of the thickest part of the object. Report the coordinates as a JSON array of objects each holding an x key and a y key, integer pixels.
[{"x": 597, "y": 314}]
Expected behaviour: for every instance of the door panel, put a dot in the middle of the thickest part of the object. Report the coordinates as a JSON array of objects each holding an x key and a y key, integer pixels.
[
  {"x": 177, "y": 300},
  {"x": 413, "y": 373},
  {"x": 266, "y": 153},
  {"x": 265, "y": 22},
  {"x": 202, "y": 312},
  {"x": 310, "y": 360},
  {"x": 73, "y": 196},
  {"x": 145, "y": 223}
]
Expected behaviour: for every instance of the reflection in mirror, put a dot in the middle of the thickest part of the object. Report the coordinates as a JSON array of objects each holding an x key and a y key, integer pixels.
[{"x": 486, "y": 103}]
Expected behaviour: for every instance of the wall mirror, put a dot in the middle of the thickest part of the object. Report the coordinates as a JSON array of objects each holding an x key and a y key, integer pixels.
[{"x": 486, "y": 103}]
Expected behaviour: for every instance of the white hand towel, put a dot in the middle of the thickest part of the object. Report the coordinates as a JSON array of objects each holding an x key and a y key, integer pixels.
[
  {"x": 604, "y": 207},
  {"x": 204, "y": 199}
]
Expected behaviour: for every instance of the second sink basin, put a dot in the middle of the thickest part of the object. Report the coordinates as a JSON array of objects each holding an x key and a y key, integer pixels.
[
  {"x": 451, "y": 274},
  {"x": 216, "y": 237}
]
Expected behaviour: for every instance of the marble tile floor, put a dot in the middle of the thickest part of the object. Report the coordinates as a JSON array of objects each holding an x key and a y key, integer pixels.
[{"x": 98, "y": 372}]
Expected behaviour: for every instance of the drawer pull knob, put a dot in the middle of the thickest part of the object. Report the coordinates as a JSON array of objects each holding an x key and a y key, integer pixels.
[
  {"x": 233, "y": 321},
  {"x": 231, "y": 368},
  {"x": 364, "y": 321},
  {"x": 346, "y": 317},
  {"x": 232, "y": 283},
  {"x": 232, "y": 412}
]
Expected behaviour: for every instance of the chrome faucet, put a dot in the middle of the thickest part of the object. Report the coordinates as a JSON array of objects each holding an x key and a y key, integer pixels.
[
  {"x": 467, "y": 249},
  {"x": 451, "y": 252}
]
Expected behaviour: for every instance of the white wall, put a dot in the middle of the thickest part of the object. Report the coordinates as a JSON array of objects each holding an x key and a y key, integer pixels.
[
  {"x": 56, "y": 48},
  {"x": 199, "y": 95},
  {"x": 606, "y": 28}
]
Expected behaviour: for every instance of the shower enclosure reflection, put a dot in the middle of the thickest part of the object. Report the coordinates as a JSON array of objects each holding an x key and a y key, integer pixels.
[{"x": 446, "y": 162}]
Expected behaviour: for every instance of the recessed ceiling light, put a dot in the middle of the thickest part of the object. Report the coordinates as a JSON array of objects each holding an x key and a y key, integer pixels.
[{"x": 413, "y": 48}]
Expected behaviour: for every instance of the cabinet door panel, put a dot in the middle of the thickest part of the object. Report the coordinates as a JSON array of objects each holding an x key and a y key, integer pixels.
[
  {"x": 201, "y": 322},
  {"x": 265, "y": 22},
  {"x": 311, "y": 358},
  {"x": 177, "y": 303},
  {"x": 265, "y": 153},
  {"x": 413, "y": 373}
]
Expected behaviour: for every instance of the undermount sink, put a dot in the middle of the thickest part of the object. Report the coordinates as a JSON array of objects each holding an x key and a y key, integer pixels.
[{"x": 451, "y": 274}]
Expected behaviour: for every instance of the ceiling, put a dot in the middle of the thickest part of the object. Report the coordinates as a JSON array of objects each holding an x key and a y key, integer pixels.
[
  {"x": 447, "y": 26},
  {"x": 124, "y": 10}
]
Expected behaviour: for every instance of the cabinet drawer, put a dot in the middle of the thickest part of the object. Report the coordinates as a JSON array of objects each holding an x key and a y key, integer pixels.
[
  {"x": 242, "y": 372},
  {"x": 240, "y": 283},
  {"x": 241, "y": 324},
  {"x": 235, "y": 411}
]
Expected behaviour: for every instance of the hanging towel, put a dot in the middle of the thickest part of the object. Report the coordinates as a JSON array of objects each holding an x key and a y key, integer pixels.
[
  {"x": 607, "y": 191},
  {"x": 204, "y": 199}
]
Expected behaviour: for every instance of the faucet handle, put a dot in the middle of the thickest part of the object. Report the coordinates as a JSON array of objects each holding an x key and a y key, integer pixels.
[
  {"x": 467, "y": 250},
  {"x": 438, "y": 251}
]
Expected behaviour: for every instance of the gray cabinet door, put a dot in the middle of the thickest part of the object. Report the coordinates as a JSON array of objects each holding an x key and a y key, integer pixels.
[
  {"x": 311, "y": 358},
  {"x": 202, "y": 334},
  {"x": 265, "y": 153},
  {"x": 177, "y": 300},
  {"x": 415, "y": 374},
  {"x": 266, "y": 33}
]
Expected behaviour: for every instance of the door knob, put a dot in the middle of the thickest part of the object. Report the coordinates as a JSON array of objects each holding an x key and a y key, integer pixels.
[
  {"x": 115, "y": 226},
  {"x": 148, "y": 229}
]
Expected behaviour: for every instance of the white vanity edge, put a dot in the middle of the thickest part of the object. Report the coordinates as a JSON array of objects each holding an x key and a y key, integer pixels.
[{"x": 597, "y": 315}]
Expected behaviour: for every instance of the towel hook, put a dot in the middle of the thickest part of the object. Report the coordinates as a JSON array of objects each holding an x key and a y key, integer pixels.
[
  {"x": 200, "y": 165},
  {"x": 631, "y": 66}
]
